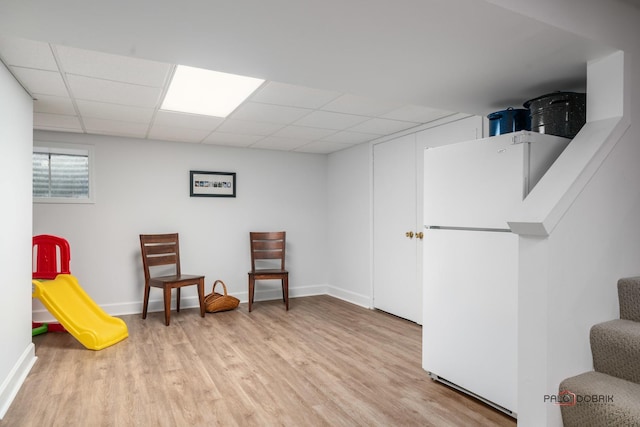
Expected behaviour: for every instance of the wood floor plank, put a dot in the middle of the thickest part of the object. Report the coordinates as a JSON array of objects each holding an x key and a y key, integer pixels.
[{"x": 324, "y": 362}]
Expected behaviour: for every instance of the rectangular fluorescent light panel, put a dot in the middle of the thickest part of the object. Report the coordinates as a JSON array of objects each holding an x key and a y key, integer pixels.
[{"x": 210, "y": 93}]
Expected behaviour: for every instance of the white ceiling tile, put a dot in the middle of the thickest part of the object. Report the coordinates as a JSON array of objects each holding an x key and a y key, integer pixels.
[
  {"x": 53, "y": 105},
  {"x": 232, "y": 139},
  {"x": 321, "y": 147},
  {"x": 194, "y": 121},
  {"x": 112, "y": 67},
  {"x": 268, "y": 113},
  {"x": 303, "y": 132},
  {"x": 382, "y": 126},
  {"x": 352, "y": 104},
  {"x": 348, "y": 137},
  {"x": 329, "y": 120},
  {"x": 247, "y": 127},
  {"x": 276, "y": 143},
  {"x": 114, "y": 127},
  {"x": 92, "y": 89},
  {"x": 170, "y": 133},
  {"x": 55, "y": 121},
  {"x": 122, "y": 113},
  {"x": 416, "y": 114},
  {"x": 41, "y": 82},
  {"x": 27, "y": 53},
  {"x": 294, "y": 96}
]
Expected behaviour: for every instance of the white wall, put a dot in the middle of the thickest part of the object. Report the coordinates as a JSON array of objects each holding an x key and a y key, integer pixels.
[
  {"x": 143, "y": 187},
  {"x": 571, "y": 276},
  {"x": 17, "y": 355},
  {"x": 350, "y": 240}
]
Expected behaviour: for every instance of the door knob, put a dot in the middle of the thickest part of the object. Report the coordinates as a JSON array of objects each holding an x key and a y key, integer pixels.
[
  {"x": 409, "y": 234},
  {"x": 420, "y": 235}
]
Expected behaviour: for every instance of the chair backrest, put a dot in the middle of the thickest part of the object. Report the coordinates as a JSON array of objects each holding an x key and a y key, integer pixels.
[
  {"x": 51, "y": 256},
  {"x": 159, "y": 250},
  {"x": 268, "y": 246}
]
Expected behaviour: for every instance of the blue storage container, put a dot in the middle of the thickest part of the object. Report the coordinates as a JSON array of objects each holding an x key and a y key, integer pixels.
[{"x": 509, "y": 120}]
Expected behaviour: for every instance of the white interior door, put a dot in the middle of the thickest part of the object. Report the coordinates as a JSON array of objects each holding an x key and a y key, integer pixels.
[
  {"x": 397, "y": 210},
  {"x": 396, "y": 288}
]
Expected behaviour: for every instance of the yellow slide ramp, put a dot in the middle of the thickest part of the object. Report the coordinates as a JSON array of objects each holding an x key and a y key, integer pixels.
[{"x": 78, "y": 313}]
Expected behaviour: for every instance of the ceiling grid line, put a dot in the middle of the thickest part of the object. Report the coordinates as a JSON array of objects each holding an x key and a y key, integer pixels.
[
  {"x": 159, "y": 103},
  {"x": 66, "y": 84}
]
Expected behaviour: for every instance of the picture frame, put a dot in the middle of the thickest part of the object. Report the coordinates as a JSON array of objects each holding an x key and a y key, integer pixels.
[{"x": 212, "y": 184}]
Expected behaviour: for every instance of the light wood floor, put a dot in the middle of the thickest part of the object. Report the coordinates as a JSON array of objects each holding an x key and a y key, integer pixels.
[{"x": 324, "y": 363}]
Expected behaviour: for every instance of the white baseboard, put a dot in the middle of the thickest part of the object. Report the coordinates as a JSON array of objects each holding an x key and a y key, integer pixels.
[
  {"x": 263, "y": 293},
  {"x": 11, "y": 385},
  {"x": 352, "y": 297}
]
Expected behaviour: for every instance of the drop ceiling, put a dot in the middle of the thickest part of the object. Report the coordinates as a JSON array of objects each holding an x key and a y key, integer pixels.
[
  {"x": 77, "y": 90},
  {"x": 337, "y": 73}
]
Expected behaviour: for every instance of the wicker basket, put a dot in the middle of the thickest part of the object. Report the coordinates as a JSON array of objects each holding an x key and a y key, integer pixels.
[{"x": 215, "y": 302}]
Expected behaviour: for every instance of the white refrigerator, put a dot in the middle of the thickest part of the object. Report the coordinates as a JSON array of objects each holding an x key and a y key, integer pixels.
[{"x": 470, "y": 307}]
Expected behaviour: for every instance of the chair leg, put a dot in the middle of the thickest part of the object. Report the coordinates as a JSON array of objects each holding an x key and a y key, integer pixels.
[
  {"x": 177, "y": 299},
  {"x": 252, "y": 284},
  {"x": 201, "y": 296},
  {"x": 285, "y": 291},
  {"x": 145, "y": 302},
  {"x": 167, "y": 305}
]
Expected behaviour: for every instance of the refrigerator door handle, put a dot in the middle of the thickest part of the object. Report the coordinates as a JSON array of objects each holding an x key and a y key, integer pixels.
[{"x": 444, "y": 227}]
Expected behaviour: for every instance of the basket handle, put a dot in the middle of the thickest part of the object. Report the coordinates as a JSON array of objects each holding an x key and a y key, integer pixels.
[{"x": 223, "y": 287}]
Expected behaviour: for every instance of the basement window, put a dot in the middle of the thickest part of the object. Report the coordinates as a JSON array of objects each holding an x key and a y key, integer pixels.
[{"x": 62, "y": 174}]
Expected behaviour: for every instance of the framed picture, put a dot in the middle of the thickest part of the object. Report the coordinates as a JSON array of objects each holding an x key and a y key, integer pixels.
[{"x": 212, "y": 184}]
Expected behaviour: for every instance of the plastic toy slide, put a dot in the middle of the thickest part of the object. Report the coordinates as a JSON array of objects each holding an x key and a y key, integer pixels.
[{"x": 78, "y": 313}]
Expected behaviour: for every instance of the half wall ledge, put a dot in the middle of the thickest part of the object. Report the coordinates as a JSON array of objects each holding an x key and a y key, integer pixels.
[{"x": 546, "y": 204}]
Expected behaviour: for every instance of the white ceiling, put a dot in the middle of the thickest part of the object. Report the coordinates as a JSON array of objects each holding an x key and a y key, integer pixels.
[
  {"x": 338, "y": 72},
  {"x": 78, "y": 90}
]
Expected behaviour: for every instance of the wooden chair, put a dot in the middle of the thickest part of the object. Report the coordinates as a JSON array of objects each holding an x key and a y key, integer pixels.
[
  {"x": 266, "y": 247},
  {"x": 163, "y": 250}
]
